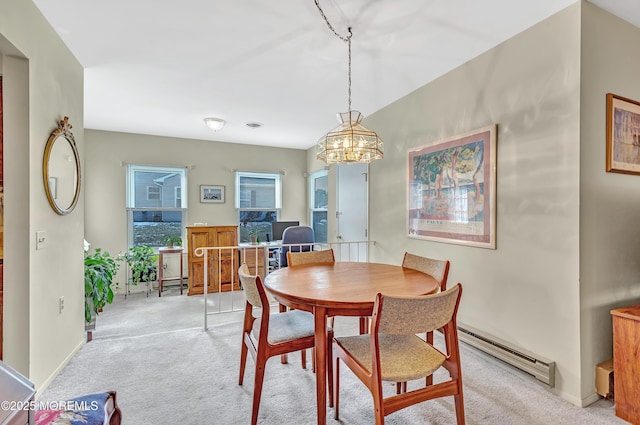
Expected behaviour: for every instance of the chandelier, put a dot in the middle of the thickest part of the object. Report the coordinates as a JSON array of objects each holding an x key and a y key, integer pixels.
[{"x": 351, "y": 141}]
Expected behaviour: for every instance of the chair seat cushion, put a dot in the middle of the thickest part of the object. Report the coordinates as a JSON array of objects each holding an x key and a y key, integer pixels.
[
  {"x": 92, "y": 409},
  {"x": 286, "y": 326},
  {"x": 402, "y": 357}
]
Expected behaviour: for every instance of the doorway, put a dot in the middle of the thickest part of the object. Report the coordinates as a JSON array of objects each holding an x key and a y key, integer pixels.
[{"x": 352, "y": 210}]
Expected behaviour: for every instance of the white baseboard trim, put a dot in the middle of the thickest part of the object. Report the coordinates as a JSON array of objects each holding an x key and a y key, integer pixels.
[
  {"x": 590, "y": 399},
  {"x": 57, "y": 371}
]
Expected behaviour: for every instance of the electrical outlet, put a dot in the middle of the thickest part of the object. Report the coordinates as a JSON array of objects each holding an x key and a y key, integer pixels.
[{"x": 61, "y": 304}]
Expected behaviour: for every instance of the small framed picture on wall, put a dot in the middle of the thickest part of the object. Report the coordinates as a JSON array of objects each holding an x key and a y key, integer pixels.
[{"x": 211, "y": 194}]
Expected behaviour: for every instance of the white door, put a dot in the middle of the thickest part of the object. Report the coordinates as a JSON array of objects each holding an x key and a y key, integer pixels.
[{"x": 352, "y": 211}]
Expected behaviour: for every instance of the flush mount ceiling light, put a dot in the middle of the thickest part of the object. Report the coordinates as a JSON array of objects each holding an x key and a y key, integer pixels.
[
  {"x": 350, "y": 142},
  {"x": 215, "y": 124},
  {"x": 254, "y": 124}
]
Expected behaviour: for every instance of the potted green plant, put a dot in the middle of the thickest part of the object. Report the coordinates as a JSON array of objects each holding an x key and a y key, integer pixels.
[
  {"x": 142, "y": 261},
  {"x": 100, "y": 270},
  {"x": 171, "y": 241}
]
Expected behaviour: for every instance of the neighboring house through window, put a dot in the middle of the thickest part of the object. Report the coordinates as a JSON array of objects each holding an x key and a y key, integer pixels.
[
  {"x": 178, "y": 197},
  {"x": 258, "y": 201},
  {"x": 155, "y": 205}
]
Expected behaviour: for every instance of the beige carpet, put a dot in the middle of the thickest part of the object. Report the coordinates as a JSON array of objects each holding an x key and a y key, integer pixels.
[{"x": 168, "y": 370}]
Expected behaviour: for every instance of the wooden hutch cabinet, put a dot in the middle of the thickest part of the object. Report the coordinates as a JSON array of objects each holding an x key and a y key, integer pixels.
[
  {"x": 256, "y": 259},
  {"x": 223, "y": 270}
]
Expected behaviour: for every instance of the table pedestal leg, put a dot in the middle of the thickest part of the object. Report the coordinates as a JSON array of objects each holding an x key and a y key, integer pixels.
[{"x": 320, "y": 317}]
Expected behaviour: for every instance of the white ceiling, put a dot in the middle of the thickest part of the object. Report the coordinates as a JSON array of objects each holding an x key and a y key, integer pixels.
[{"x": 160, "y": 67}]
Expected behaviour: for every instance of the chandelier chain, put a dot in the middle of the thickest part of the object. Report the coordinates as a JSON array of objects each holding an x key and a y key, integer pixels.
[
  {"x": 346, "y": 39},
  {"x": 349, "y": 38}
]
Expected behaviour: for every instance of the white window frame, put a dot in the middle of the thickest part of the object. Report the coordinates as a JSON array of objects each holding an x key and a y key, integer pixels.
[
  {"x": 130, "y": 194},
  {"x": 278, "y": 189},
  {"x": 312, "y": 195},
  {"x": 277, "y": 201}
]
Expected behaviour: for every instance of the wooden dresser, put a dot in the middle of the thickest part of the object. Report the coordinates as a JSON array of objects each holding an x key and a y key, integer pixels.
[
  {"x": 626, "y": 362},
  {"x": 223, "y": 270}
]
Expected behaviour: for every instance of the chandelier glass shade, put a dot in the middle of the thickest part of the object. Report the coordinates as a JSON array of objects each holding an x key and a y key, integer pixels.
[{"x": 350, "y": 142}]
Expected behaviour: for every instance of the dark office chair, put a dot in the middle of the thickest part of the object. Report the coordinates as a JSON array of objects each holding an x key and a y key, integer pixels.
[{"x": 302, "y": 235}]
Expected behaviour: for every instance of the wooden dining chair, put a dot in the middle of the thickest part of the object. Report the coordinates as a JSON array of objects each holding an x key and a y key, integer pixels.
[
  {"x": 311, "y": 257},
  {"x": 320, "y": 257},
  {"x": 295, "y": 259},
  {"x": 271, "y": 334},
  {"x": 439, "y": 270},
  {"x": 393, "y": 352}
]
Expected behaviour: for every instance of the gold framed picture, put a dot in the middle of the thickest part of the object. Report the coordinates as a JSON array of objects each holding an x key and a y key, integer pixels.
[{"x": 623, "y": 135}]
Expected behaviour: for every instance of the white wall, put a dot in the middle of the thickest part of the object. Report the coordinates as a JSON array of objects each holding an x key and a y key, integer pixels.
[
  {"x": 43, "y": 82},
  {"x": 211, "y": 163},
  {"x": 16, "y": 182},
  {"x": 527, "y": 290},
  {"x": 610, "y": 202}
]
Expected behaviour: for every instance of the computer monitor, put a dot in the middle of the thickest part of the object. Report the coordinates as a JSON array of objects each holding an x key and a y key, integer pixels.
[{"x": 277, "y": 228}]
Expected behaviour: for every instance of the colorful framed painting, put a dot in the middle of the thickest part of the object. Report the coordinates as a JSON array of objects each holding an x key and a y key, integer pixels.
[
  {"x": 623, "y": 135},
  {"x": 212, "y": 194},
  {"x": 452, "y": 190}
]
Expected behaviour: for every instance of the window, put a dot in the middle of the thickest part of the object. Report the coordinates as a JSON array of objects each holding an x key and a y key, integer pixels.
[
  {"x": 178, "y": 197},
  {"x": 258, "y": 201},
  {"x": 155, "y": 205},
  {"x": 319, "y": 202},
  {"x": 153, "y": 193}
]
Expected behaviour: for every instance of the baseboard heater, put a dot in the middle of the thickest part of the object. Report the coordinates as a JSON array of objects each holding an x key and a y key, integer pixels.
[{"x": 541, "y": 368}]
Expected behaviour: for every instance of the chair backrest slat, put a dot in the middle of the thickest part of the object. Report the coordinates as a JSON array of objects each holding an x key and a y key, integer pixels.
[
  {"x": 311, "y": 257},
  {"x": 439, "y": 269},
  {"x": 412, "y": 315},
  {"x": 248, "y": 282}
]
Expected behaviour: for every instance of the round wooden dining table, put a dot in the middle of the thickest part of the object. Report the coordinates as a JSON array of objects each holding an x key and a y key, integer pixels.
[{"x": 341, "y": 289}]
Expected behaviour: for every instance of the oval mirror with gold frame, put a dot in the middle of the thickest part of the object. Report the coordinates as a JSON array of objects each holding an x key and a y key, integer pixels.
[{"x": 61, "y": 169}]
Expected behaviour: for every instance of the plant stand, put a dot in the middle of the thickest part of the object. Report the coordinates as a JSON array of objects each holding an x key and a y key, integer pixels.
[{"x": 161, "y": 277}]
